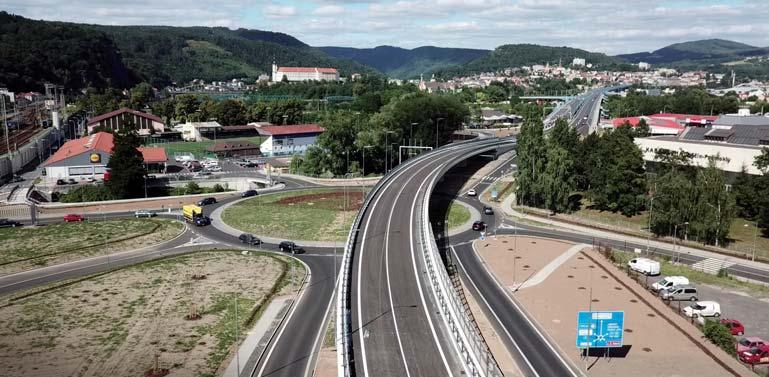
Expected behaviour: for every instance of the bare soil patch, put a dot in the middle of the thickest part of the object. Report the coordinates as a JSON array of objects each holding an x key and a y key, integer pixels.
[
  {"x": 328, "y": 200},
  {"x": 656, "y": 347},
  {"x": 115, "y": 324}
]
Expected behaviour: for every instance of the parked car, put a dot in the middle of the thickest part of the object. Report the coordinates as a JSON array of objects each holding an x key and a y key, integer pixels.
[
  {"x": 73, "y": 217},
  {"x": 213, "y": 168},
  {"x": 5, "y": 223},
  {"x": 758, "y": 355},
  {"x": 645, "y": 266},
  {"x": 471, "y": 192},
  {"x": 670, "y": 282},
  {"x": 249, "y": 193},
  {"x": 487, "y": 210},
  {"x": 680, "y": 293},
  {"x": 479, "y": 225},
  {"x": 703, "y": 309},
  {"x": 206, "y": 201},
  {"x": 61, "y": 182},
  {"x": 734, "y": 326},
  {"x": 249, "y": 239},
  {"x": 290, "y": 247},
  {"x": 17, "y": 178},
  {"x": 202, "y": 220},
  {"x": 202, "y": 174},
  {"x": 71, "y": 181},
  {"x": 750, "y": 342},
  {"x": 144, "y": 213}
]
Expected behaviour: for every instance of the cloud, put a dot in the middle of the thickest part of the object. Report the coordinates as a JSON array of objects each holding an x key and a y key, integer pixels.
[
  {"x": 328, "y": 10},
  {"x": 608, "y": 26}
]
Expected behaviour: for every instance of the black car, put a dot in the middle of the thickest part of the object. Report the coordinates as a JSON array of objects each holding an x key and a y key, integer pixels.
[
  {"x": 290, "y": 247},
  {"x": 5, "y": 223},
  {"x": 249, "y": 239},
  {"x": 71, "y": 181},
  {"x": 248, "y": 193},
  {"x": 207, "y": 201},
  {"x": 61, "y": 182},
  {"x": 202, "y": 221},
  {"x": 487, "y": 210},
  {"x": 17, "y": 178},
  {"x": 479, "y": 225}
]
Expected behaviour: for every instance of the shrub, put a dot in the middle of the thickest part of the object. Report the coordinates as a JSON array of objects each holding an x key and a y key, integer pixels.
[
  {"x": 87, "y": 193},
  {"x": 192, "y": 188},
  {"x": 722, "y": 273},
  {"x": 719, "y": 335},
  {"x": 218, "y": 188}
]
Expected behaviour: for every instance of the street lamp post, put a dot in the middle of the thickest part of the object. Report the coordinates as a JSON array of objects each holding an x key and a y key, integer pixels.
[
  {"x": 364, "y": 159},
  {"x": 411, "y": 133},
  {"x": 387, "y": 146},
  {"x": 437, "y": 123}
]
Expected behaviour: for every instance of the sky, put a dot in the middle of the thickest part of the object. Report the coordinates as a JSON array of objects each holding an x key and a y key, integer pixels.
[{"x": 609, "y": 26}]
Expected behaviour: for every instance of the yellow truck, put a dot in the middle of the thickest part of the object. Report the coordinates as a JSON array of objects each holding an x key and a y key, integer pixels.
[{"x": 194, "y": 214}]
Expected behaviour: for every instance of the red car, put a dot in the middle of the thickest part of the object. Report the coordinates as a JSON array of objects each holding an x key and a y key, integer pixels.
[
  {"x": 479, "y": 225},
  {"x": 758, "y": 355},
  {"x": 734, "y": 326},
  {"x": 750, "y": 342},
  {"x": 71, "y": 218}
]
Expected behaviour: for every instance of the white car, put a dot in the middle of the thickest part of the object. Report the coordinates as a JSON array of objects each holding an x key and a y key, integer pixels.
[
  {"x": 703, "y": 309},
  {"x": 670, "y": 282},
  {"x": 472, "y": 192},
  {"x": 144, "y": 213},
  {"x": 214, "y": 168},
  {"x": 645, "y": 266}
]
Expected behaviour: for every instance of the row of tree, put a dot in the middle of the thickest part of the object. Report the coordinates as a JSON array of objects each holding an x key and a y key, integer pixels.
[
  {"x": 752, "y": 193},
  {"x": 683, "y": 101}
]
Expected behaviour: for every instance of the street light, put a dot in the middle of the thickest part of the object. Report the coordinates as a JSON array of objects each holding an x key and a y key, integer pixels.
[
  {"x": 387, "y": 146},
  {"x": 364, "y": 159},
  {"x": 437, "y": 123},
  {"x": 755, "y": 238},
  {"x": 676, "y": 246},
  {"x": 411, "y": 133}
]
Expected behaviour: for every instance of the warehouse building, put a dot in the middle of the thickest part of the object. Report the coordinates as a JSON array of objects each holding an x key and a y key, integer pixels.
[
  {"x": 87, "y": 157},
  {"x": 299, "y": 74},
  {"x": 289, "y": 139},
  {"x": 145, "y": 124}
]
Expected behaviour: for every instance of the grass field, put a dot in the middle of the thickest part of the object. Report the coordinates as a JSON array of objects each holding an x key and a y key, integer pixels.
[
  {"x": 310, "y": 215},
  {"x": 457, "y": 215},
  {"x": 187, "y": 310},
  {"x": 30, "y": 247},
  {"x": 198, "y": 148}
]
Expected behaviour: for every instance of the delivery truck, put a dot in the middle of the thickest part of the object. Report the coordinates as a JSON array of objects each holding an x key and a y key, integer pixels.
[{"x": 193, "y": 214}]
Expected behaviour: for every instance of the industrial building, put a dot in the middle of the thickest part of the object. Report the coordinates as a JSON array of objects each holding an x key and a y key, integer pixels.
[
  {"x": 87, "y": 157},
  {"x": 197, "y": 131},
  {"x": 145, "y": 124},
  {"x": 289, "y": 139}
]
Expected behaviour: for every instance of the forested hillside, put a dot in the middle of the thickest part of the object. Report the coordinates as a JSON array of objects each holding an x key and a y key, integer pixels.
[{"x": 403, "y": 63}]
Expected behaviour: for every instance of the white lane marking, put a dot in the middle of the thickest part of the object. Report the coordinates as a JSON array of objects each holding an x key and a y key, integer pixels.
[
  {"x": 288, "y": 320},
  {"x": 520, "y": 310},
  {"x": 419, "y": 283},
  {"x": 545, "y": 272},
  {"x": 480, "y": 293}
]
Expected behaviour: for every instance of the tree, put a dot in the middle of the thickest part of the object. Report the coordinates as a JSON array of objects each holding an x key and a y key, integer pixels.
[
  {"x": 620, "y": 184},
  {"x": 532, "y": 161},
  {"x": 715, "y": 206},
  {"x": 557, "y": 179},
  {"x": 642, "y": 129},
  {"x": 230, "y": 112},
  {"x": 126, "y": 166},
  {"x": 186, "y": 105},
  {"x": 719, "y": 335},
  {"x": 141, "y": 95},
  {"x": 746, "y": 197},
  {"x": 165, "y": 109}
]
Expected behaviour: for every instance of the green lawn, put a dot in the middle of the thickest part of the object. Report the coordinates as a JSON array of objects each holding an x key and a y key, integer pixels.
[
  {"x": 39, "y": 244},
  {"x": 310, "y": 215},
  {"x": 198, "y": 148},
  {"x": 457, "y": 215}
]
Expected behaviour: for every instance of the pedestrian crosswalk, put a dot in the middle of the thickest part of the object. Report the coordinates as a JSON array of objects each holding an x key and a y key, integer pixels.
[{"x": 712, "y": 265}]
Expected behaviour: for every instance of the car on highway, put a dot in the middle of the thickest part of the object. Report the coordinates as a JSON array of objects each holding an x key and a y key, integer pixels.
[
  {"x": 248, "y": 193},
  {"x": 471, "y": 192},
  {"x": 703, "y": 309},
  {"x": 206, "y": 201},
  {"x": 5, "y": 223},
  {"x": 684, "y": 292},
  {"x": 669, "y": 282},
  {"x": 73, "y": 217},
  {"x": 249, "y": 239},
  {"x": 488, "y": 210},
  {"x": 290, "y": 247},
  {"x": 202, "y": 220},
  {"x": 144, "y": 213},
  {"x": 479, "y": 225},
  {"x": 758, "y": 355},
  {"x": 749, "y": 342},
  {"x": 735, "y": 327}
]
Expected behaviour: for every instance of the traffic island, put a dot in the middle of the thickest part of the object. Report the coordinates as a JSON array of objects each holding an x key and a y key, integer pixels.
[{"x": 654, "y": 344}]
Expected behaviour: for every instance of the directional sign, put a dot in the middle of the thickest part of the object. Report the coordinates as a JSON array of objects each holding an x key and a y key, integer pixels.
[{"x": 600, "y": 329}]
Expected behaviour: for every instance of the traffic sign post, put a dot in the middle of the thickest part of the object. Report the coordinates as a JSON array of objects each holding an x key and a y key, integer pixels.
[{"x": 600, "y": 329}]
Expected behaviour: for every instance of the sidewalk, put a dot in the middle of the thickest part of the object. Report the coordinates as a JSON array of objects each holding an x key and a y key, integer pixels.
[
  {"x": 216, "y": 217},
  {"x": 369, "y": 181}
]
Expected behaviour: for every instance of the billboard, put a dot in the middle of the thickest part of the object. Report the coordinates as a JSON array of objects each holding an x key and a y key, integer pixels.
[{"x": 600, "y": 329}]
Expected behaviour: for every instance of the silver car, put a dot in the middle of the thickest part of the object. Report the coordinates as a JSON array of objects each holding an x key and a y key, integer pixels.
[
  {"x": 680, "y": 293},
  {"x": 144, "y": 213}
]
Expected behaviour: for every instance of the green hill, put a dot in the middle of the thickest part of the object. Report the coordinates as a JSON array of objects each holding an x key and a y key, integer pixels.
[
  {"x": 706, "y": 51},
  {"x": 517, "y": 55},
  {"x": 80, "y": 55},
  {"x": 403, "y": 63}
]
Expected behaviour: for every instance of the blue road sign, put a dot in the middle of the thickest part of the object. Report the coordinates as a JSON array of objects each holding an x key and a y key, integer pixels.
[{"x": 600, "y": 329}]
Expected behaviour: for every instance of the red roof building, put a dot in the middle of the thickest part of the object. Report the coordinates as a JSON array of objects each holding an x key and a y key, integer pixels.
[
  {"x": 667, "y": 123},
  {"x": 88, "y": 157},
  {"x": 144, "y": 123},
  {"x": 295, "y": 74}
]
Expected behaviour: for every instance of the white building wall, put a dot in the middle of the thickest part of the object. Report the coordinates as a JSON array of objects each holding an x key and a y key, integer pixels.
[
  {"x": 732, "y": 158},
  {"x": 286, "y": 145}
]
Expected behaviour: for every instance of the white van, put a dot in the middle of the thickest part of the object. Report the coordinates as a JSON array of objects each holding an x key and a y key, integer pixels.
[
  {"x": 703, "y": 309},
  {"x": 670, "y": 282},
  {"x": 645, "y": 266}
]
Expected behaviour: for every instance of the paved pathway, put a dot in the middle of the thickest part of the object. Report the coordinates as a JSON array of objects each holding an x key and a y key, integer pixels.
[{"x": 542, "y": 274}]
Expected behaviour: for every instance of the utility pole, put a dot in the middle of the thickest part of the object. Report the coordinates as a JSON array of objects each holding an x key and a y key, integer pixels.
[{"x": 5, "y": 122}]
